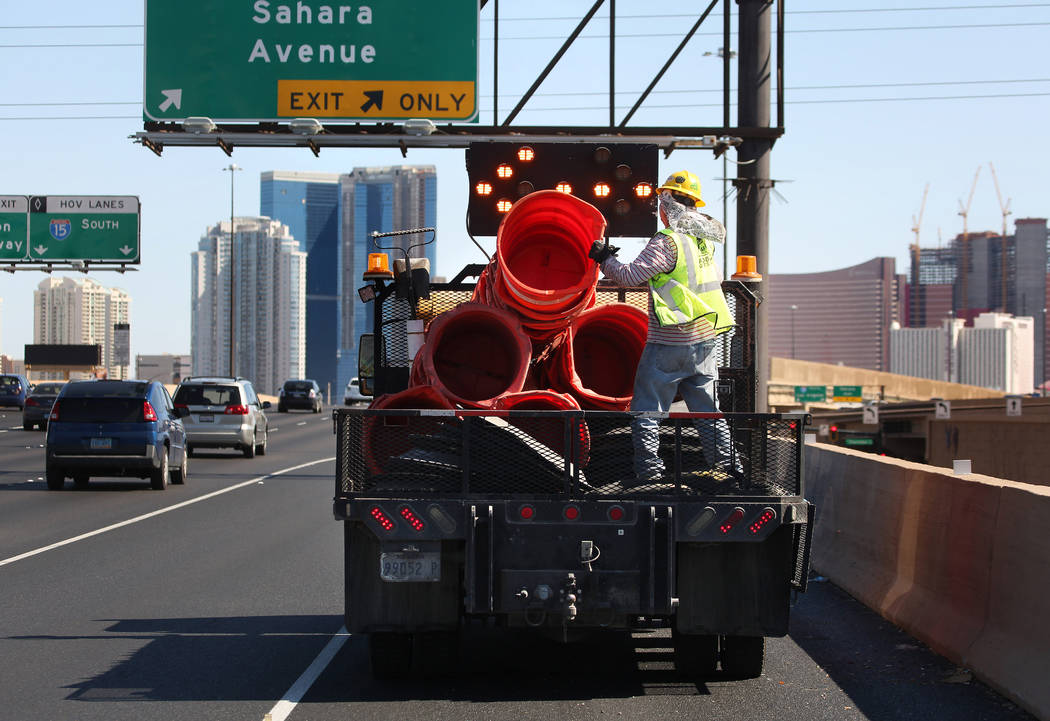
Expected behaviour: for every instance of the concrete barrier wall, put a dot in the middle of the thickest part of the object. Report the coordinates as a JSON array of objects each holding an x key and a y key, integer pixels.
[{"x": 959, "y": 562}]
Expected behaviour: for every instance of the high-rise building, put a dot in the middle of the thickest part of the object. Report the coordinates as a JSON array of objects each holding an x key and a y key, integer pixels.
[
  {"x": 995, "y": 353},
  {"x": 308, "y": 203},
  {"x": 269, "y": 306},
  {"x": 838, "y": 316},
  {"x": 378, "y": 199},
  {"x": 985, "y": 272},
  {"x": 82, "y": 311}
]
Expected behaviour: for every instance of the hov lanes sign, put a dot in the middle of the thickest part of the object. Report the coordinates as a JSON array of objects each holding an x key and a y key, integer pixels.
[
  {"x": 273, "y": 60},
  {"x": 95, "y": 228}
]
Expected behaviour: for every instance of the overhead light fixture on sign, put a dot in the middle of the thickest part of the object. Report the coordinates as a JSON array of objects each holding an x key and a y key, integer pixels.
[
  {"x": 198, "y": 125},
  {"x": 419, "y": 126},
  {"x": 306, "y": 126}
]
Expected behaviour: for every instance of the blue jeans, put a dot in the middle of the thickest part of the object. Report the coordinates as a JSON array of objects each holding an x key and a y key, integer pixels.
[{"x": 663, "y": 372}]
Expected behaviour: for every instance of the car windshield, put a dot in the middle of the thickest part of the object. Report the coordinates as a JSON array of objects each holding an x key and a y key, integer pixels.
[
  {"x": 298, "y": 385},
  {"x": 47, "y": 389},
  {"x": 101, "y": 410},
  {"x": 8, "y": 381},
  {"x": 197, "y": 395}
]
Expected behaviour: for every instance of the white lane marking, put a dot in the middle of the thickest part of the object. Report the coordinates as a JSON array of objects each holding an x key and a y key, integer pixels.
[
  {"x": 283, "y": 708},
  {"x": 301, "y": 423},
  {"x": 159, "y": 511}
]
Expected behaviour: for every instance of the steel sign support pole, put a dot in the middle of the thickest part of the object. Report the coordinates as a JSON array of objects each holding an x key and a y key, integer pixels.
[{"x": 233, "y": 287}]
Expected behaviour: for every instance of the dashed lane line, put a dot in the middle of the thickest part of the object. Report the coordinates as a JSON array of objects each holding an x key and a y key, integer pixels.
[
  {"x": 291, "y": 698},
  {"x": 159, "y": 511}
]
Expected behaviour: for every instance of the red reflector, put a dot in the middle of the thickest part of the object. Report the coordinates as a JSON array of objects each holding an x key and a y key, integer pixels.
[
  {"x": 571, "y": 513},
  {"x": 413, "y": 520},
  {"x": 381, "y": 518},
  {"x": 734, "y": 518},
  {"x": 148, "y": 414},
  {"x": 768, "y": 514},
  {"x": 236, "y": 410},
  {"x": 526, "y": 513},
  {"x": 616, "y": 513}
]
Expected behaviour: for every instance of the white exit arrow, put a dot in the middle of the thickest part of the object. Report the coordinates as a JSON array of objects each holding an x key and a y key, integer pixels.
[
  {"x": 40, "y": 250},
  {"x": 173, "y": 97},
  {"x": 125, "y": 250}
]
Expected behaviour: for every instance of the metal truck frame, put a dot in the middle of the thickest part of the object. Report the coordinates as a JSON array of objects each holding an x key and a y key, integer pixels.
[{"x": 529, "y": 519}]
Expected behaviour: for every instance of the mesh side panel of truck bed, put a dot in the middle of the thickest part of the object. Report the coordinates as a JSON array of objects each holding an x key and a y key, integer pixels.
[{"x": 578, "y": 453}]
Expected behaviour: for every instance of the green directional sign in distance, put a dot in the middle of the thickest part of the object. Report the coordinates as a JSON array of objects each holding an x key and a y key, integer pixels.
[
  {"x": 848, "y": 394},
  {"x": 810, "y": 394},
  {"x": 95, "y": 228},
  {"x": 275, "y": 60},
  {"x": 14, "y": 227}
]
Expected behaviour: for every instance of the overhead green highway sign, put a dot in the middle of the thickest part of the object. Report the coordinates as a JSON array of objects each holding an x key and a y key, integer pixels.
[
  {"x": 269, "y": 60},
  {"x": 14, "y": 227},
  {"x": 90, "y": 228},
  {"x": 811, "y": 394}
]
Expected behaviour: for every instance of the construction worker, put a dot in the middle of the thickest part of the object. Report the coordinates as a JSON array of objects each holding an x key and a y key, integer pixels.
[{"x": 687, "y": 311}]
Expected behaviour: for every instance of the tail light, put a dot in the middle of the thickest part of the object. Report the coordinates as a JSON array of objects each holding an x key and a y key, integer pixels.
[
  {"x": 571, "y": 512},
  {"x": 413, "y": 520},
  {"x": 54, "y": 412},
  {"x": 767, "y": 515},
  {"x": 32, "y": 402},
  {"x": 616, "y": 513},
  {"x": 526, "y": 513},
  {"x": 381, "y": 518},
  {"x": 148, "y": 414},
  {"x": 182, "y": 405},
  {"x": 734, "y": 518},
  {"x": 236, "y": 410}
]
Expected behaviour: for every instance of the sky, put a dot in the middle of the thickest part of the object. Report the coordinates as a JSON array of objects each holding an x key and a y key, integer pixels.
[{"x": 882, "y": 98}]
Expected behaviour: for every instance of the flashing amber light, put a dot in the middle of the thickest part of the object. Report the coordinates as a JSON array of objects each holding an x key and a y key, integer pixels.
[
  {"x": 483, "y": 188},
  {"x": 623, "y": 171},
  {"x": 525, "y": 153},
  {"x": 504, "y": 171},
  {"x": 524, "y": 188},
  {"x": 378, "y": 266},
  {"x": 643, "y": 190},
  {"x": 503, "y": 205},
  {"x": 622, "y": 207},
  {"x": 563, "y": 187},
  {"x": 746, "y": 269},
  {"x": 602, "y": 190}
]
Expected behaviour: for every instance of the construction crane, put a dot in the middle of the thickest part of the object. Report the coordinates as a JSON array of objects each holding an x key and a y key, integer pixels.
[
  {"x": 916, "y": 224},
  {"x": 1005, "y": 210},
  {"x": 964, "y": 252}
]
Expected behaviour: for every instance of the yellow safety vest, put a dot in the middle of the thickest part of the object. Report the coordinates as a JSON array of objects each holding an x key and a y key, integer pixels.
[{"x": 693, "y": 289}]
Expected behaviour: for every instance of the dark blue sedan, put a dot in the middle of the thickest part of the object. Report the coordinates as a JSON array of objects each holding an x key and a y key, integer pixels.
[{"x": 115, "y": 428}]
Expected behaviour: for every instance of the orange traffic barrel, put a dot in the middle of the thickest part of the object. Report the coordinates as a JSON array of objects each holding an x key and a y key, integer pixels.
[
  {"x": 548, "y": 431},
  {"x": 598, "y": 360},
  {"x": 386, "y": 437},
  {"x": 475, "y": 353}
]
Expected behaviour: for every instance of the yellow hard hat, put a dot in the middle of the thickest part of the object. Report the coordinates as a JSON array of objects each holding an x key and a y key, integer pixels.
[{"x": 686, "y": 183}]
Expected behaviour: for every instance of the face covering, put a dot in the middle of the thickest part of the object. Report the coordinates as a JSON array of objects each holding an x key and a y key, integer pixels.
[{"x": 683, "y": 219}]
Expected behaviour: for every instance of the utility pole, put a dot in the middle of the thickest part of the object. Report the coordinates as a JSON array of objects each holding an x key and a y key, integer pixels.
[
  {"x": 232, "y": 167},
  {"x": 753, "y": 184}
]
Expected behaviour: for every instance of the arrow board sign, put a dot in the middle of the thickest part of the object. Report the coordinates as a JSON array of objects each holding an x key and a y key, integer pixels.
[
  {"x": 275, "y": 60},
  {"x": 91, "y": 228}
]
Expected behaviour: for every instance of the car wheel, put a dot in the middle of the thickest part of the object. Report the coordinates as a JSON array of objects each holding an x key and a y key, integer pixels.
[
  {"x": 249, "y": 450},
  {"x": 281, "y": 409},
  {"x": 158, "y": 477},
  {"x": 80, "y": 480},
  {"x": 189, "y": 450},
  {"x": 260, "y": 449},
  {"x": 742, "y": 656},
  {"x": 27, "y": 426},
  {"x": 56, "y": 478},
  {"x": 695, "y": 655},
  {"x": 178, "y": 475}
]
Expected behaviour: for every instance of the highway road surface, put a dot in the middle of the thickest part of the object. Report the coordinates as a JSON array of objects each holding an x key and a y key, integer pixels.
[{"x": 223, "y": 599}]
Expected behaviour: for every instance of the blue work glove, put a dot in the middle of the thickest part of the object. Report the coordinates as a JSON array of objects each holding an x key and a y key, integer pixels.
[{"x": 600, "y": 251}]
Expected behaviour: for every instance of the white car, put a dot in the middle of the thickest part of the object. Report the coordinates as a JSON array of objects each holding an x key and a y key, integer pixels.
[{"x": 353, "y": 395}]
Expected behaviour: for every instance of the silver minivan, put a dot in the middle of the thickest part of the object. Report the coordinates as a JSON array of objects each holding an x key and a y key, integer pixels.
[{"x": 224, "y": 413}]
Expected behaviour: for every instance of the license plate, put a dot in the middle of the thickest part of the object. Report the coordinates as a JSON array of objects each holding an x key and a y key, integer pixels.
[
  {"x": 396, "y": 567},
  {"x": 206, "y": 419},
  {"x": 101, "y": 444}
]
